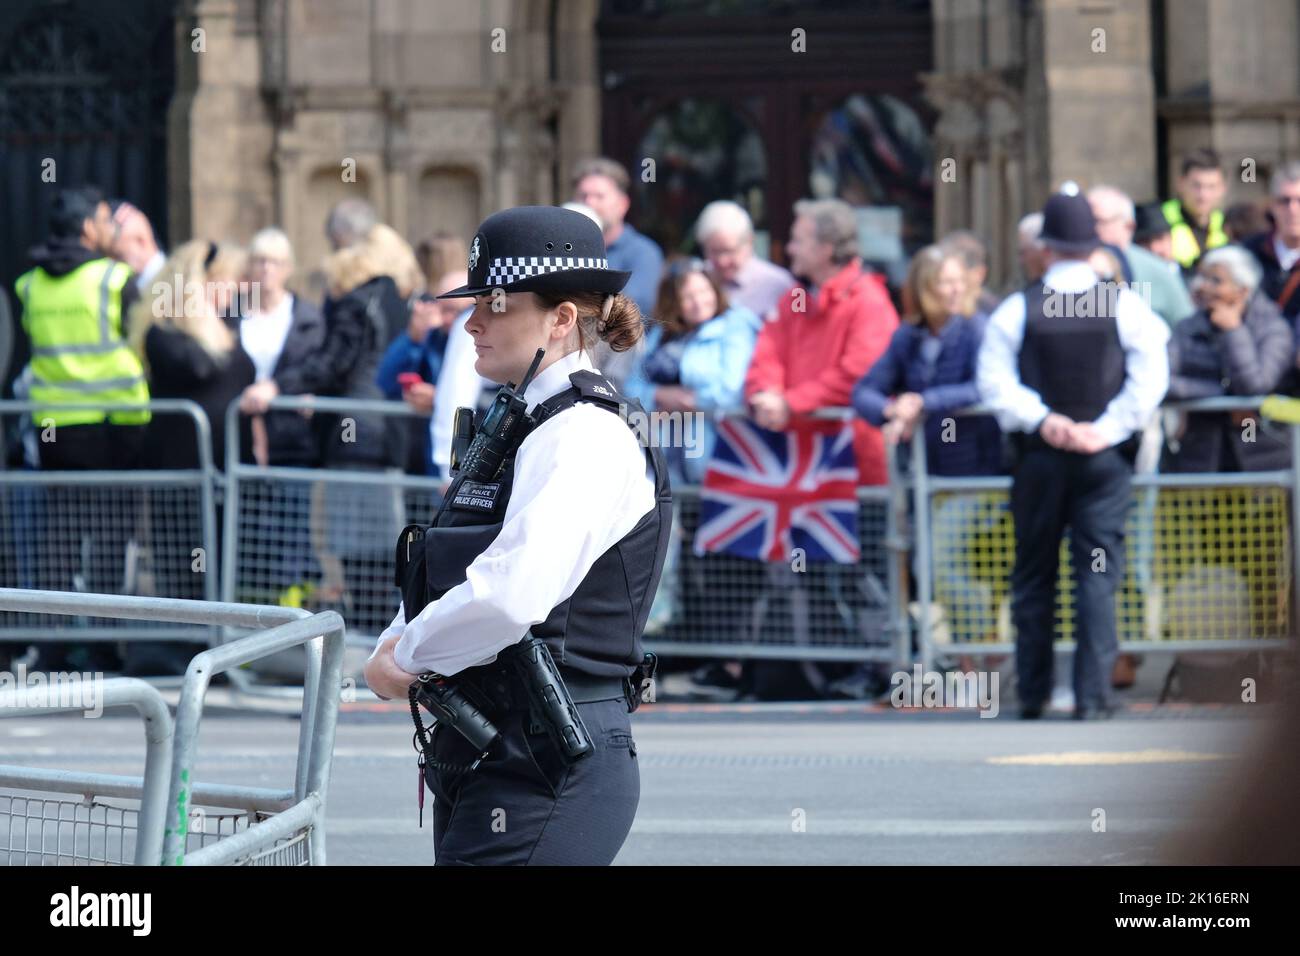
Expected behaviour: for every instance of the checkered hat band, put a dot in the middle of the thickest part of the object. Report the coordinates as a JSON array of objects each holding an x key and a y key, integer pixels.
[{"x": 513, "y": 268}]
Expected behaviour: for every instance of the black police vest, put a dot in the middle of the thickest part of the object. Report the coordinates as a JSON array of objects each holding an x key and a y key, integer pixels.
[
  {"x": 1071, "y": 353},
  {"x": 598, "y": 629}
]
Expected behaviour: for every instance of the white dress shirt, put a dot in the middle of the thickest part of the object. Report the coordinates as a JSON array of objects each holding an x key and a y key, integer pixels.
[
  {"x": 263, "y": 335},
  {"x": 1143, "y": 335},
  {"x": 458, "y": 385},
  {"x": 1286, "y": 256},
  {"x": 581, "y": 482},
  {"x": 156, "y": 262}
]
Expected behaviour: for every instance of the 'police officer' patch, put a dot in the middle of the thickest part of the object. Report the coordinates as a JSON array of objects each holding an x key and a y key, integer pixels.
[{"x": 477, "y": 496}]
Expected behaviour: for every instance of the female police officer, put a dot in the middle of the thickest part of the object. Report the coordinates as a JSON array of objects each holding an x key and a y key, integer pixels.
[{"x": 583, "y": 514}]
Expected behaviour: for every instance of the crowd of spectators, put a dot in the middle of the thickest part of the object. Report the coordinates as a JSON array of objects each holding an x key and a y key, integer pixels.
[{"x": 726, "y": 330}]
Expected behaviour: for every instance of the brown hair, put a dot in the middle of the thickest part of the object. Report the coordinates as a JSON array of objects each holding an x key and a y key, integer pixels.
[
  {"x": 1203, "y": 158},
  {"x": 668, "y": 310},
  {"x": 441, "y": 253},
  {"x": 602, "y": 166},
  {"x": 621, "y": 326}
]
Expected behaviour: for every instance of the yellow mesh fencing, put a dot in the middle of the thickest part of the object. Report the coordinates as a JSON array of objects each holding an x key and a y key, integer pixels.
[{"x": 1202, "y": 563}]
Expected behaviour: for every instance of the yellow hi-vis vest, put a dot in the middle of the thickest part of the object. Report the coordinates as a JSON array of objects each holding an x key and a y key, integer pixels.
[
  {"x": 74, "y": 323},
  {"x": 1186, "y": 249}
]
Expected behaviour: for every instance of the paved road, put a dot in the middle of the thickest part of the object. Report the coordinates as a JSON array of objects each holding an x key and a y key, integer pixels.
[{"x": 731, "y": 785}]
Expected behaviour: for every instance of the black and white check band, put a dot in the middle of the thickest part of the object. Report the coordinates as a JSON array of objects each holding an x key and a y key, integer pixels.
[{"x": 513, "y": 268}]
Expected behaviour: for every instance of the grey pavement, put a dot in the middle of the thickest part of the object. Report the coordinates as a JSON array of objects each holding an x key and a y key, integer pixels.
[{"x": 769, "y": 783}]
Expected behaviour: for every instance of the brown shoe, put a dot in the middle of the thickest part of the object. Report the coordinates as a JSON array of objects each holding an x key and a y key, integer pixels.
[{"x": 1124, "y": 673}]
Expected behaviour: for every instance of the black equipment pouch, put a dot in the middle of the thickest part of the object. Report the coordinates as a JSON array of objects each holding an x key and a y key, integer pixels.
[{"x": 548, "y": 697}]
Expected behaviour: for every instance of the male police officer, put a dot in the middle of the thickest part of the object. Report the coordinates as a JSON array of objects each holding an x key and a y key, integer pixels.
[{"x": 1073, "y": 370}]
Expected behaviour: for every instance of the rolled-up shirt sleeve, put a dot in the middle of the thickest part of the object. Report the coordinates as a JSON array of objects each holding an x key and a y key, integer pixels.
[{"x": 580, "y": 484}]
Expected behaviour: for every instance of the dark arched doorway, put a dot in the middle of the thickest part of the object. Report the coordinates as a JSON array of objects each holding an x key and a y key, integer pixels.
[
  {"x": 815, "y": 117},
  {"x": 84, "y": 91}
]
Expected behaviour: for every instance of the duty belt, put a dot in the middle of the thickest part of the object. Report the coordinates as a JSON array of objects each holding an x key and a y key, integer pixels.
[{"x": 498, "y": 688}]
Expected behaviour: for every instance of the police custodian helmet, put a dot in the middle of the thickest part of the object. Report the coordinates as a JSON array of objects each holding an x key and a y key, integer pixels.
[{"x": 539, "y": 249}]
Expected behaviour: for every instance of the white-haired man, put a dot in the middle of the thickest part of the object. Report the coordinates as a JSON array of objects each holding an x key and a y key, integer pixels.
[
  {"x": 134, "y": 243},
  {"x": 726, "y": 237},
  {"x": 1116, "y": 222}
]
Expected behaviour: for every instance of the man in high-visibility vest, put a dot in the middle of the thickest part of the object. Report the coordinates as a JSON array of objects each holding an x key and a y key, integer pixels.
[
  {"x": 1195, "y": 216},
  {"x": 74, "y": 305}
]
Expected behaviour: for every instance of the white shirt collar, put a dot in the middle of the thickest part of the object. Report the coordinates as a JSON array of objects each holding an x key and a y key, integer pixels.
[
  {"x": 156, "y": 262},
  {"x": 555, "y": 377},
  {"x": 1286, "y": 258},
  {"x": 1070, "y": 275}
]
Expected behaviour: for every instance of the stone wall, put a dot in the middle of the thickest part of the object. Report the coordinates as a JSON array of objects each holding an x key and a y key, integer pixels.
[{"x": 437, "y": 111}]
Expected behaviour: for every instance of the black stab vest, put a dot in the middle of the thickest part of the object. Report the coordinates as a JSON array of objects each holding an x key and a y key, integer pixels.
[
  {"x": 1073, "y": 358},
  {"x": 596, "y": 631}
]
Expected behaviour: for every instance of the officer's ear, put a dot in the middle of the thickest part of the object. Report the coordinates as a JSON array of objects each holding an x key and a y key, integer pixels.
[{"x": 566, "y": 320}]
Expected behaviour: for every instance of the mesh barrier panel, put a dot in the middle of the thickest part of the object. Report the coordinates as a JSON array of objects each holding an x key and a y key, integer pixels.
[
  {"x": 1208, "y": 563},
  {"x": 719, "y": 598},
  {"x": 322, "y": 544}
]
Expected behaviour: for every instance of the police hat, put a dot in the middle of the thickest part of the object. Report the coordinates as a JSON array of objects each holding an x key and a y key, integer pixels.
[
  {"x": 539, "y": 249},
  {"x": 1150, "y": 222},
  {"x": 1068, "y": 223}
]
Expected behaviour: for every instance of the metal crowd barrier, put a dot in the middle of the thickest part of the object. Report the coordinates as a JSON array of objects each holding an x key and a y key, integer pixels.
[
  {"x": 1210, "y": 558},
  {"x": 320, "y": 537},
  {"x": 151, "y": 820},
  {"x": 109, "y": 531},
  {"x": 733, "y": 607}
]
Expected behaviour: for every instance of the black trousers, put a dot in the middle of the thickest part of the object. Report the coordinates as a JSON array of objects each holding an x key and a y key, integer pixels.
[
  {"x": 87, "y": 526},
  {"x": 524, "y": 805},
  {"x": 1090, "y": 493}
]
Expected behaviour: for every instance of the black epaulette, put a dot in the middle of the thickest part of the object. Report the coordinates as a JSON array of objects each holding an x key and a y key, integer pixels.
[{"x": 585, "y": 386}]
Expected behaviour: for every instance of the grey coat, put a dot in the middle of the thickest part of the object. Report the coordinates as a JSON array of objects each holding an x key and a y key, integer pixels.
[{"x": 1256, "y": 358}]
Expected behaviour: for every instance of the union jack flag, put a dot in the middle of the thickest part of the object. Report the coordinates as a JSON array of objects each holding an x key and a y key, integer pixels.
[{"x": 766, "y": 493}]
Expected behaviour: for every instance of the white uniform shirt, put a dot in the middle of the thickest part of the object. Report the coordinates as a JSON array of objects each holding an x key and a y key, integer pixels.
[
  {"x": 458, "y": 385},
  {"x": 1143, "y": 335},
  {"x": 581, "y": 482}
]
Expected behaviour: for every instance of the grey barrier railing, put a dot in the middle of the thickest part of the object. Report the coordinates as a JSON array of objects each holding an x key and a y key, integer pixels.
[
  {"x": 340, "y": 523},
  {"x": 51, "y": 518},
  {"x": 343, "y": 521},
  {"x": 163, "y": 829},
  {"x": 1274, "y": 564},
  {"x": 835, "y": 612}
]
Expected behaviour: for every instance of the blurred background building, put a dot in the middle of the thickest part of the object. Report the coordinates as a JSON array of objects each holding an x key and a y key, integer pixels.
[{"x": 218, "y": 117}]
